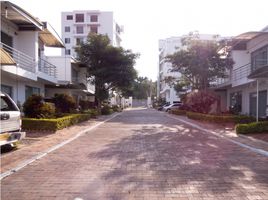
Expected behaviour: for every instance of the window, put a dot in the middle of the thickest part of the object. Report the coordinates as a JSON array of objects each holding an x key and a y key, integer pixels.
[
  {"x": 79, "y": 29},
  {"x": 94, "y": 18},
  {"x": 67, "y": 51},
  {"x": 79, "y": 41},
  {"x": 236, "y": 102},
  {"x": 93, "y": 29},
  {"x": 7, "y": 89},
  {"x": 67, "y": 29},
  {"x": 69, "y": 17},
  {"x": 259, "y": 58},
  {"x": 79, "y": 17},
  {"x": 67, "y": 40},
  {"x": 29, "y": 91},
  {"x": 7, "y": 104}
]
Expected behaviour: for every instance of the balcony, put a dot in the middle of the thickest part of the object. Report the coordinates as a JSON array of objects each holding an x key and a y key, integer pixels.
[
  {"x": 47, "y": 68},
  {"x": 22, "y": 60},
  {"x": 259, "y": 68}
]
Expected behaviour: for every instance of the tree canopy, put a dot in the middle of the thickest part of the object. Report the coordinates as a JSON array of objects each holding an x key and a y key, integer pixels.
[
  {"x": 200, "y": 62},
  {"x": 109, "y": 67}
]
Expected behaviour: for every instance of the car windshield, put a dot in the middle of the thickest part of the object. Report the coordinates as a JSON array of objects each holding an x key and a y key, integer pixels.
[{"x": 7, "y": 105}]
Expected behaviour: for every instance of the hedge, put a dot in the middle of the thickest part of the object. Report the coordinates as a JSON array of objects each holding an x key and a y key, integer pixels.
[
  {"x": 221, "y": 118},
  {"x": 178, "y": 112},
  {"x": 53, "y": 124},
  {"x": 255, "y": 127}
]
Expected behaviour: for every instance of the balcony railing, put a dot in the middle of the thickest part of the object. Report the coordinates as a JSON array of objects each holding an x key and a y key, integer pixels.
[
  {"x": 22, "y": 60},
  {"x": 47, "y": 68},
  {"x": 241, "y": 72}
]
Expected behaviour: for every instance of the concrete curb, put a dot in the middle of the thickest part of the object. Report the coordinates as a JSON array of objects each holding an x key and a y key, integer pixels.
[{"x": 43, "y": 154}]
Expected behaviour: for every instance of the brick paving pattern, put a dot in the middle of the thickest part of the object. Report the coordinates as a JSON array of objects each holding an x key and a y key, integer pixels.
[{"x": 142, "y": 154}]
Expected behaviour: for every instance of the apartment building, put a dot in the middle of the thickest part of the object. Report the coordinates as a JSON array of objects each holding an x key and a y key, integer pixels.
[
  {"x": 245, "y": 88},
  {"x": 25, "y": 69},
  {"x": 169, "y": 46},
  {"x": 76, "y": 26}
]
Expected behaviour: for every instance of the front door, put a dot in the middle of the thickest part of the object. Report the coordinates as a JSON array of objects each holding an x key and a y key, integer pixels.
[{"x": 262, "y": 103}]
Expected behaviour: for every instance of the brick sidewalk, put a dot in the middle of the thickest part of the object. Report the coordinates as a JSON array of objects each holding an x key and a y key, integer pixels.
[{"x": 37, "y": 142}]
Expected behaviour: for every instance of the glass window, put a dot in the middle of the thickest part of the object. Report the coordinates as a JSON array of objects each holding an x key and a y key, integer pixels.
[
  {"x": 7, "y": 104},
  {"x": 79, "y": 17},
  {"x": 69, "y": 17},
  {"x": 94, "y": 18},
  {"x": 67, "y": 40},
  {"x": 67, "y": 29},
  {"x": 93, "y": 29},
  {"x": 67, "y": 51},
  {"x": 29, "y": 91},
  {"x": 79, "y": 41},
  {"x": 7, "y": 89},
  {"x": 236, "y": 102},
  {"x": 79, "y": 29},
  {"x": 259, "y": 58}
]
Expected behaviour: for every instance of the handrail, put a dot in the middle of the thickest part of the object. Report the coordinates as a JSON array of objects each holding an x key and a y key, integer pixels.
[
  {"x": 241, "y": 72},
  {"x": 22, "y": 60},
  {"x": 47, "y": 68}
]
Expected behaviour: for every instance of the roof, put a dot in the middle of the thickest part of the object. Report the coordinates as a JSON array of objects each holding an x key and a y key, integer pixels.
[
  {"x": 50, "y": 37},
  {"x": 20, "y": 17},
  {"x": 239, "y": 42},
  {"x": 5, "y": 58}
]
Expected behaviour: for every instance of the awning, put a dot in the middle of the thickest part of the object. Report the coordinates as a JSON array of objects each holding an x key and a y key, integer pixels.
[
  {"x": 24, "y": 20},
  {"x": 50, "y": 37},
  {"x": 5, "y": 58}
]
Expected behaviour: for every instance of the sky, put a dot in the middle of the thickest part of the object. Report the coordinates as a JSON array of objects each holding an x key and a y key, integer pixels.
[{"x": 145, "y": 22}]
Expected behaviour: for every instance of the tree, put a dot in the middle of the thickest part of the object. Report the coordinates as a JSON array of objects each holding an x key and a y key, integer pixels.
[
  {"x": 200, "y": 63},
  {"x": 108, "y": 67},
  {"x": 143, "y": 88}
]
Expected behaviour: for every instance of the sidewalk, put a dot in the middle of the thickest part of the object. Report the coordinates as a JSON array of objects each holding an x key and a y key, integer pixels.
[
  {"x": 37, "y": 143},
  {"x": 259, "y": 141}
]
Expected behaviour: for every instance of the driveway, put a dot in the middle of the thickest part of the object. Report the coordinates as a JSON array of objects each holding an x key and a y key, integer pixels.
[{"x": 143, "y": 154}]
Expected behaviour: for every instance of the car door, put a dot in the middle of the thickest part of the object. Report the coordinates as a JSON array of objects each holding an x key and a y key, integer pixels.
[{"x": 10, "y": 115}]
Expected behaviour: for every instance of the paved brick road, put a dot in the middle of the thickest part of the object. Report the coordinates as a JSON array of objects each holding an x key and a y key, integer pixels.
[{"x": 142, "y": 154}]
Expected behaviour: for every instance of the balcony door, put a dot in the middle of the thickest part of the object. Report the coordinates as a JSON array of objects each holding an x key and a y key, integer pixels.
[{"x": 262, "y": 103}]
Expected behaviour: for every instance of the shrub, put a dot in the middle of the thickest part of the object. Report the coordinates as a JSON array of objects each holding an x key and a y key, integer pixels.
[
  {"x": 255, "y": 127},
  {"x": 201, "y": 101},
  {"x": 220, "y": 118},
  {"x": 116, "y": 108},
  {"x": 92, "y": 112},
  {"x": 85, "y": 104},
  {"x": 53, "y": 124},
  {"x": 35, "y": 107},
  {"x": 64, "y": 103},
  {"x": 178, "y": 112},
  {"x": 106, "y": 110}
]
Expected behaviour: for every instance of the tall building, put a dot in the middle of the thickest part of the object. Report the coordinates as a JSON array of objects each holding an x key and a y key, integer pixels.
[
  {"x": 76, "y": 26},
  {"x": 169, "y": 46}
]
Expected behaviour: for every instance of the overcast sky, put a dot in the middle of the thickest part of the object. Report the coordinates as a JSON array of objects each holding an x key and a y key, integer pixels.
[{"x": 145, "y": 22}]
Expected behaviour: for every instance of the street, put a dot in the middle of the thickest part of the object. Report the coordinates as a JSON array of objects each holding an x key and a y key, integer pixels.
[{"x": 143, "y": 154}]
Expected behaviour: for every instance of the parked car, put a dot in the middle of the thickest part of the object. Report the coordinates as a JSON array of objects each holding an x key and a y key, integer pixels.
[
  {"x": 172, "y": 106},
  {"x": 161, "y": 107},
  {"x": 10, "y": 122}
]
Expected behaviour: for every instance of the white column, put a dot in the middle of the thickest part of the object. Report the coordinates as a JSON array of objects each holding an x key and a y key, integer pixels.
[{"x": 257, "y": 102}]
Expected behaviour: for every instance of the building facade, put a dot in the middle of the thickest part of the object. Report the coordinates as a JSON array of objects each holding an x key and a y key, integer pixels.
[
  {"x": 76, "y": 26},
  {"x": 245, "y": 90},
  {"x": 25, "y": 69}
]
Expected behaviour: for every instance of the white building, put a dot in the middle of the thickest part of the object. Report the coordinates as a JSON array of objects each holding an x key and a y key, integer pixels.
[
  {"x": 77, "y": 25},
  {"x": 72, "y": 79},
  {"x": 25, "y": 70},
  {"x": 248, "y": 75},
  {"x": 166, "y": 47}
]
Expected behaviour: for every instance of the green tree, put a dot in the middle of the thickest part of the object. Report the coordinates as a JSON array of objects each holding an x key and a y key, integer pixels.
[
  {"x": 143, "y": 88},
  {"x": 109, "y": 67},
  {"x": 200, "y": 63}
]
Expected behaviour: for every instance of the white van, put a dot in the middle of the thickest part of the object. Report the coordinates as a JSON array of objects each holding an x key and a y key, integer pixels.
[{"x": 10, "y": 123}]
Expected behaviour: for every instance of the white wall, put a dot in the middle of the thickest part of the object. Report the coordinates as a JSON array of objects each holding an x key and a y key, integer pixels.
[{"x": 63, "y": 64}]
